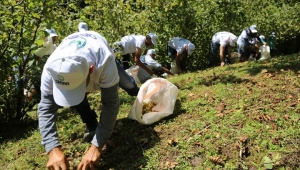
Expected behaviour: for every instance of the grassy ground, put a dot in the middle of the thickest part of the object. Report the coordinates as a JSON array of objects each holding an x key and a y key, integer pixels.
[{"x": 242, "y": 116}]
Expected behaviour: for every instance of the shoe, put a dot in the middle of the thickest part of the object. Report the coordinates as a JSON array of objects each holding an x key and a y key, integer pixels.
[{"x": 88, "y": 135}]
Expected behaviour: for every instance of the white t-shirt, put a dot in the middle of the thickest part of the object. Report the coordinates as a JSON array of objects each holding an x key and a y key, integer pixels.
[
  {"x": 222, "y": 38},
  {"x": 178, "y": 44},
  {"x": 245, "y": 39},
  {"x": 143, "y": 75},
  {"x": 47, "y": 49},
  {"x": 131, "y": 42},
  {"x": 98, "y": 53}
]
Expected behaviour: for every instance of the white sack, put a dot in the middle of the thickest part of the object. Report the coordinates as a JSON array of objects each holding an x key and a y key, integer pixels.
[{"x": 157, "y": 90}]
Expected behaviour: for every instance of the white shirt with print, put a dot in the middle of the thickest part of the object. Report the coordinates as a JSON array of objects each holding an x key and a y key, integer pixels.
[
  {"x": 222, "y": 38},
  {"x": 178, "y": 44},
  {"x": 98, "y": 53},
  {"x": 131, "y": 42}
]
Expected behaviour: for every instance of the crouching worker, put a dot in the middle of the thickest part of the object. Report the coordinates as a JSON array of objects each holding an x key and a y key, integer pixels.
[
  {"x": 149, "y": 61},
  {"x": 179, "y": 49},
  {"x": 82, "y": 63},
  {"x": 223, "y": 41},
  {"x": 247, "y": 43}
]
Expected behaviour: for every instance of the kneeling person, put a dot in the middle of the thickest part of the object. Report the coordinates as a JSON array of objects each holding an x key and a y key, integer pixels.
[{"x": 149, "y": 61}]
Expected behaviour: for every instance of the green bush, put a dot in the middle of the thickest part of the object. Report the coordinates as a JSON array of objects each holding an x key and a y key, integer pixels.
[{"x": 23, "y": 22}]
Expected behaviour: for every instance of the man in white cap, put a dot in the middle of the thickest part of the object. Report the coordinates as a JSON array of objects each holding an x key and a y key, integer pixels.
[
  {"x": 247, "y": 42},
  {"x": 149, "y": 61},
  {"x": 223, "y": 41},
  {"x": 83, "y": 62},
  {"x": 179, "y": 49},
  {"x": 134, "y": 44}
]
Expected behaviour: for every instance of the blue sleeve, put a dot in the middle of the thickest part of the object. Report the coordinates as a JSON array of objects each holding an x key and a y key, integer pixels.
[{"x": 47, "y": 109}]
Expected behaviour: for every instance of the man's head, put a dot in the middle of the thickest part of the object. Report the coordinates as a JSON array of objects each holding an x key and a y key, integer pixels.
[
  {"x": 52, "y": 34},
  {"x": 82, "y": 26},
  {"x": 151, "y": 39},
  {"x": 232, "y": 40},
  {"x": 152, "y": 53},
  {"x": 190, "y": 48},
  {"x": 69, "y": 74},
  {"x": 253, "y": 29}
]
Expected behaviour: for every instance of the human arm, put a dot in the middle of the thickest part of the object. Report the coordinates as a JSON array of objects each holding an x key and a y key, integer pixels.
[
  {"x": 177, "y": 60},
  {"x": 138, "y": 62},
  {"x": 91, "y": 159},
  {"x": 47, "y": 110},
  {"x": 222, "y": 57},
  {"x": 167, "y": 71}
]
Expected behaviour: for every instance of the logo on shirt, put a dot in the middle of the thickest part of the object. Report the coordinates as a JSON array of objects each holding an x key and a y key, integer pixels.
[{"x": 80, "y": 42}]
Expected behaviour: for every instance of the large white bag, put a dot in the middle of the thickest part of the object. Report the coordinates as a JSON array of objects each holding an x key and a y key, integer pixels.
[
  {"x": 157, "y": 90},
  {"x": 265, "y": 52},
  {"x": 133, "y": 71},
  {"x": 174, "y": 69}
]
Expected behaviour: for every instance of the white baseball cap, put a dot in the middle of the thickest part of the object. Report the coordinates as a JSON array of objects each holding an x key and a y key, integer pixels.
[
  {"x": 253, "y": 29},
  {"x": 233, "y": 40},
  {"x": 51, "y": 32},
  {"x": 82, "y": 26},
  {"x": 153, "y": 38},
  {"x": 191, "y": 48},
  {"x": 151, "y": 51},
  {"x": 69, "y": 79}
]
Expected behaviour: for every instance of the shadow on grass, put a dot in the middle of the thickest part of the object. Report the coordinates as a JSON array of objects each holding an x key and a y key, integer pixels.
[
  {"x": 274, "y": 65},
  {"x": 131, "y": 140},
  {"x": 17, "y": 129}
]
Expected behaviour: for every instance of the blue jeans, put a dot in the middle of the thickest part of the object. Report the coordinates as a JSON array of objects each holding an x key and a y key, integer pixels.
[
  {"x": 127, "y": 82},
  {"x": 214, "y": 49}
]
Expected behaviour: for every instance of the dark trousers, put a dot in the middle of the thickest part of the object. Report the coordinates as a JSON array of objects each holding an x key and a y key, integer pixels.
[
  {"x": 214, "y": 51},
  {"x": 87, "y": 115},
  {"x": 125, "y": 61}
]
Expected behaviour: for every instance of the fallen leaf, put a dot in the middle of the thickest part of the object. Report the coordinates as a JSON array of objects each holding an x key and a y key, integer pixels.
[
  {"x": 172, "y": 142},
  {"x": 216, "y": 159},
  {"x": 286, "y": 116}
]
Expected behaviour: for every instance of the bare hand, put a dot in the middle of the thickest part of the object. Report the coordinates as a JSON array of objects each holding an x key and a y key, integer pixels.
[
  {"x": 57, "y": 160},
  {"x": 91, "y": 159}
]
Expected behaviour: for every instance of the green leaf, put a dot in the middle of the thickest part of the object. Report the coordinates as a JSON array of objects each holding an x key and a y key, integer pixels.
[
  {"x": 268, "y": 162},
  {"x": 36, "y": 15}
]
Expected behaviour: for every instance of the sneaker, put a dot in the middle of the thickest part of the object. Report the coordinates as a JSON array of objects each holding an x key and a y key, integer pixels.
[{"x": 88, "y": 135}]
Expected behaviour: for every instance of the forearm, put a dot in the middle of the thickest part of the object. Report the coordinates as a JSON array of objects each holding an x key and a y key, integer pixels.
[
  {"x": 222, "y": 54},
  {"x": 167, "y": 71},
  {"x": 140, "y": 64},
  {"x": 47, "y": 109},
  {"x": 177, "y": 60}
]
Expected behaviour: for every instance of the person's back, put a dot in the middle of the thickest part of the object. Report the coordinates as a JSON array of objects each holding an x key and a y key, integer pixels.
[
  {"x": 178, "y": 43},
  {"x": 222, "y": 37},
  {"x": 88, "y": 43},
  {"x": 131, "y": 42}
]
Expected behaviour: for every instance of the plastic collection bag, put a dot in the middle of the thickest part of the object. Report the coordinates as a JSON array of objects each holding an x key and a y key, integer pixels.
[
  {"x": 133, "y": 71},
  {"x": 156, "y": 90},
  {"x": 265, "y": 52},
  {"x": 174, "y": 69}
]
